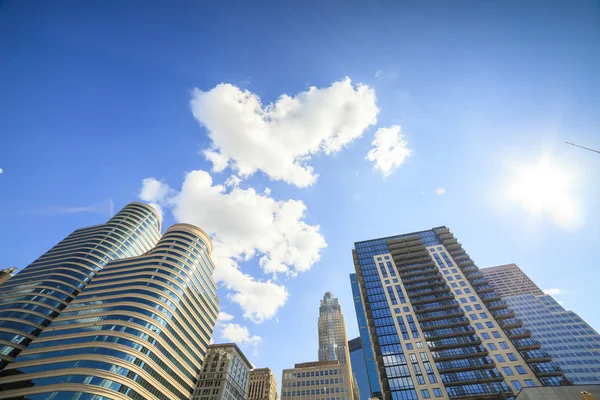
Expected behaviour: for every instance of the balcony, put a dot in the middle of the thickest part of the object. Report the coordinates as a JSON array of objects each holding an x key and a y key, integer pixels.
[
  {"x": 518, "y": 333},
  {"x": 449, "y": 355},
  {"x": 503, "y": 313},
  {"x": 467, "y": 364},
  {"x": 431, "y": 325},
  {"x": 443, "y": 333},
  {"x": 435, "y": 306},
  {"x": 453, "y": 342},
  {"x": 444, "y": 289},
  {"x": 510, "y": 323},
  {"x": 478, "y": 281},
  {"x": 432, "y": 316},
  {"x": 411, "y": 266},
  {"x": 418, "y": 300},
  {"x": 421, "y": 277},
  {"x": 526, "y": 344},
  {"x": 492, "y": 296},
  {"x": 486, "y": 288},
  {"x": 469, "y": 268},
  {"x": 413, "y": 272},
  {"x": 548, "y": 369},
  {"x": 496, "y": 305},
  {"x": 424, "y": 283}
]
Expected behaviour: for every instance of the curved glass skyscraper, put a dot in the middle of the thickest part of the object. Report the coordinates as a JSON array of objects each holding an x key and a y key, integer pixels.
[
  {"x": 38, "y": 293},
  {"x": 139, "y": 330}
]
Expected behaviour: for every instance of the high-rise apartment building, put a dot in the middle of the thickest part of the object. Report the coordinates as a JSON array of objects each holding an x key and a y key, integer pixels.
[
  {"x": 573, "y": 345},
  {"x": 437, "y": 328},
  {"x": 224, "y": 375},
  {"x": 139, "y": 330},
  {"x": 359, "y": 367},
  {"x": 262, "y": 384},
  {"x": 319, "y": 380},
  {"x": 39, "y": 292},
  {"x": 509, "y": 280},
  {"x": 6, "y": 274},
  {"x": 333, "y": 343}
]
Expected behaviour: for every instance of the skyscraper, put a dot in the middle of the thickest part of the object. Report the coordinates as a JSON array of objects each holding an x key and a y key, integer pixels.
[
  {"x": 365, "y": 336},
  {"x": 39, "y": 292},
  {"x": 437, "y": 327},
  {"x": 509, "y": 280},
  {"x": 262, "y": 384},
  {"x": 139, "y": 330},
  {"x": 317, "y": 380},
  {"x": 224, "y": 375},
  {"x": 359, "y": 367},
  {"x": 333, "y": 343},
  {"x": 572, "y": 343}
]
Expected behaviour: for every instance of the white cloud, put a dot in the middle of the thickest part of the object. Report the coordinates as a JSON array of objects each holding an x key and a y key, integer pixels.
[
  {"x": 552, "y": 291},
  {"x": 379, "y": 74},
  {"x": 223, "y": 316},
  {"x": 389, "y": 150},
  {"x": 154, "y": 191},
  {"x": 440, "y": 191},
  {"x": 1, "y": 170},
  {"x": 245, "y": 224},
  {"x": 280, "y": 138},
  {"x": 233, "y": 181},
  {"x": 239, "y": 334}
]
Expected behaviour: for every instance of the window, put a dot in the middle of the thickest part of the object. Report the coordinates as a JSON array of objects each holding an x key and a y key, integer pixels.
[
  {"x": 406, "y": 309},
  {"x": 511, "y": 356},
  {"x": 424, "y": 356},
  {"x": 489, "y": 324},
  {"x": 521, "y": 370},
  {"x": 478, "y": 325},
  {"x": 483, "y": 315},
  {"x": 432, "y": 378},
  {"x": 499, "y": 358},
  {"x": 468, "y": 308},
  {"x": 463, "y": 300},
  {"x": 478, "y": 306},
  {"x": 446, "y": 272},
  {"x": 473, "y": 317},
  {"x": 516, "y": 384},
  {"x": 419, "y": 345},
  {"x": 425, "y": 393},
  {"x": 485, "y": 335},
  {"x": 451, "y": 279},
  {"x": 437, "y": 392},
  {"x": 473, "y": 299},
  {"x": 529, "y": 382},
  {"x": 459, "y": 292},
  {"x": 496, "y": 334},
  {"x": 492, "y": 346},
  {"x": 503, "y": 345},
  {"x": 454, "y": 285},
  {"x": 409, "y": 346},
  {"x": 462, "y": 283},
  {"x": 507, "y": 371},
  {"x": 467, "y": 290},
  {"x": 397, "y": 310}
]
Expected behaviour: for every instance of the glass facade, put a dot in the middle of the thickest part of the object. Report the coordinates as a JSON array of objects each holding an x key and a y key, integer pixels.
[
  {"x": 139, "y": 329},
  {"x": 572, "y": 343},
  {"x": 436, "y": 325},
  {"x": 363, "y": 327},
  {"x": 359, "y": 368},
  {"x": 31, "y": 300}
]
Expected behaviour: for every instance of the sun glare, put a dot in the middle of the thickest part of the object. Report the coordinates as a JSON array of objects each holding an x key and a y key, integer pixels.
[{"x": 547, "y": 188}]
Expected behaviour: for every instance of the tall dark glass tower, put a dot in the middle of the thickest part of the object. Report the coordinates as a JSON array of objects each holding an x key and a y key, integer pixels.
[
  {"x": 139, "y": 330},
  {"x": 437, "y": 328},
  {"x": 38, "y": 293}
]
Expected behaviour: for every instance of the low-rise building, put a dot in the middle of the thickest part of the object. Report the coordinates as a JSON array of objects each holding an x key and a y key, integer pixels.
[
  {"x": 319, "y": 380},
  {"x": 262, "y": 385},
  {"x": 224, "y": 374}
]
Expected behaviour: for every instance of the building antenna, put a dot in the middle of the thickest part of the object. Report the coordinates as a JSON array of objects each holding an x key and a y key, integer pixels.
[{"x": 576, "y": 145}]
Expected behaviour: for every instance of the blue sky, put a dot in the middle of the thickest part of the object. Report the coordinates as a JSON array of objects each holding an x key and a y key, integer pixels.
[{"x": 97, "y": 97}]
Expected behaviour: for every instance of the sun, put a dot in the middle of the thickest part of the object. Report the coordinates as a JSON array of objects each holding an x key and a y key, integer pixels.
[{"x": 547, "y": 188}]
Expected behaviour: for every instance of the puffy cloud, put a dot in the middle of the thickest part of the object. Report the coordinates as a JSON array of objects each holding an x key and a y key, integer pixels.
[
  {"x": 245, "y": 224},
  {"x": 552, "y": 291},
  {"x": 239, "y": 334},
  {"x": 223, "y": 316},
  {"x": 280, "y": 138},
  {"x": 1, "y": 170},
  {"x": 155, "y": 193},
  {"x": 389, "y": 151},
  {"x": 233, "y": 181}
]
